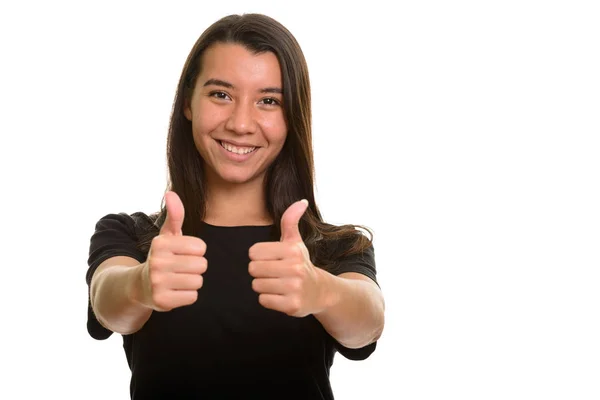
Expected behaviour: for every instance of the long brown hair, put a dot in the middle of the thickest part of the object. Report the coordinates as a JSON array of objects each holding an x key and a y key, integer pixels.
[{"x": 291, "y": 176}]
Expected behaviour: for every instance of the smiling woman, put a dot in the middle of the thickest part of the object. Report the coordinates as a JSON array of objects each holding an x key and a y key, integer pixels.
[
  {"x": 236, "y": 287},
  {"x": 236, "y": 113}
]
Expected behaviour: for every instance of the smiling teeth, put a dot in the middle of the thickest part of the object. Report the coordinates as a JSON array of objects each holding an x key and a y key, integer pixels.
[{"x": 237, "y": 150}]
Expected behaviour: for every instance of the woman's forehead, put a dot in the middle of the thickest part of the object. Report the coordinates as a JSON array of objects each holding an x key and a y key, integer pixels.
[{"x": 238, "y": 66}]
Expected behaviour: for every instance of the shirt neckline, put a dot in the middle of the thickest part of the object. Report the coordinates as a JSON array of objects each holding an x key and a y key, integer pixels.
[{"x": 236, "y": 226}]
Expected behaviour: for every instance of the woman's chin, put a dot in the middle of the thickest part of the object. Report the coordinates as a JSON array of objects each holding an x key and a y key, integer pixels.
[{"x": 237, "y": 178}]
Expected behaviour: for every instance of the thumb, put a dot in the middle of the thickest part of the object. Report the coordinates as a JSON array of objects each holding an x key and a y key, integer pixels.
[
  {"x": 290, "y": 219},
  {"x": 175, "y": 215}
]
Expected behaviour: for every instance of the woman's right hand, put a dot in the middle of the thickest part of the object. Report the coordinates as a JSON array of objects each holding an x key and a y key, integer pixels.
[{"x": 172, "y": 273}]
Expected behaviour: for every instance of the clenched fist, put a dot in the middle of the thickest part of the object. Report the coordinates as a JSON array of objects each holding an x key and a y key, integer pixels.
[
  {"x": 285, "y": 278},
  {"x": 172, "y": 273}
]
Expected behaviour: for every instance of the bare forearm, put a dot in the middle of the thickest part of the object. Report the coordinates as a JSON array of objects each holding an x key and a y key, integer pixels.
[
  {"x": 354, "y": 310},
  {"x": 115, "y": 294}
]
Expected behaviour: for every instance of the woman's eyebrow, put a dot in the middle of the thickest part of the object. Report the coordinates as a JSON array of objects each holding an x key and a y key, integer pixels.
[
  {"x": 219, "y": 82},
  {"x": 271, "y": 90}
]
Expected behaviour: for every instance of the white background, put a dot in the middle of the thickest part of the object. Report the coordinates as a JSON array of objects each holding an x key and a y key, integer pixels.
[{"x": 465, "y": 134}]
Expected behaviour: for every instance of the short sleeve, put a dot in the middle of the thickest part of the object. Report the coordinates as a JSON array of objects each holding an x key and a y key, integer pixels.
[
  {"x": 114, "y": 235},
  {"x": 362, "y": 263}
]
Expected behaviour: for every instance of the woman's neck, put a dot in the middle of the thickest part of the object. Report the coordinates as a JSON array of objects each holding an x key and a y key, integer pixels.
[{"x": 236, "y": 205}]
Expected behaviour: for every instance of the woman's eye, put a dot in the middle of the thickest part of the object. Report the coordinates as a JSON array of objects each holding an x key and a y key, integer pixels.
[
  {"x": 219, "y": 95},
  {"x": 270, "y": 101}
]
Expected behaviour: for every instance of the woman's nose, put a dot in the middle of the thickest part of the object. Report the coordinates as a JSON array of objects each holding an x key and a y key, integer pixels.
[{"x": 242, "y": 119}]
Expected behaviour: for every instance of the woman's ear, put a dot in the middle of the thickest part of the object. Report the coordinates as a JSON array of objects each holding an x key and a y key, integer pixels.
[{"x": 187, "y": 110}]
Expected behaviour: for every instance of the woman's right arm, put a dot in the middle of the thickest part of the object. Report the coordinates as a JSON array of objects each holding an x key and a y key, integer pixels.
[
  {"x": 118, "y": 297},
  {"x": 123, "y": 292}
]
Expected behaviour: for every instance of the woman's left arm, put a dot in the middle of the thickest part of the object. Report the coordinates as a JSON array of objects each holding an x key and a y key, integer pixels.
[
  {"x": 350, "y": 305},
  {"x": 352, "y": 309}
]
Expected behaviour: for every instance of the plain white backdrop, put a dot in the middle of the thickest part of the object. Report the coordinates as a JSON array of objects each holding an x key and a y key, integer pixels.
[{"x": 465, "y": 134}]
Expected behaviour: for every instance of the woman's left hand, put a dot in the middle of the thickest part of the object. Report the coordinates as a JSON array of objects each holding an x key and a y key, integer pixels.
[{"x": 284, "y": 276}]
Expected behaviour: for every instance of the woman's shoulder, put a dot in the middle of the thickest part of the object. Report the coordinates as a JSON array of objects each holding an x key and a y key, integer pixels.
[
  {"x": 336, "y": 244},
  {"x": 346, "y": 248},
  {"x": 145, "y": 223},
  {"x": 120, "y": 228},
  {"x": 346, "y": 238},
  {"x": 136, "y": 224}
]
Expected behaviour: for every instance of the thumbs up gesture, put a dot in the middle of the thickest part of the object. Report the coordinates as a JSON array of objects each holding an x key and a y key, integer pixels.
[
  {"x": 285, "y": 278},
  {"x": 172, "y": 273}
]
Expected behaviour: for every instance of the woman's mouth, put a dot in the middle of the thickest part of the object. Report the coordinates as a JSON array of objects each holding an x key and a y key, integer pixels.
[{"x": 237, "y": 149}]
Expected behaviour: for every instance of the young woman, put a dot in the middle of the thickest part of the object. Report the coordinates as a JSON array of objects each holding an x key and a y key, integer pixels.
[{"x": 237, "y": 287}]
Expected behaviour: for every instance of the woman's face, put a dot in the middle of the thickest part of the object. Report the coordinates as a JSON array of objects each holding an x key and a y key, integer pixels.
[{"x": 236, "y": 113}]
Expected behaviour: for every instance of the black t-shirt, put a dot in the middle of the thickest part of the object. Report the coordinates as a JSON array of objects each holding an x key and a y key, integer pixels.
[{"x": 226, "y": 344}]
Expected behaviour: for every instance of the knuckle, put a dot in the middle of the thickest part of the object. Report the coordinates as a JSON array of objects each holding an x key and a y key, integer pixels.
[
  {"x": 295, "y": 305},
  {"x": 202, "y": 246},
  {"x": 295, "y": 252},
  {"x": 161, "y": 301},
  {"x": 203, "y": 265},
  {"x": 156, "y": 279},
  {"x": 199, "y": 282},
  {"x": 152, "y": 261},
  {"x": 252, "y": 252},
  {"x": 297, "y": 269},
  {"x": 295, "y": 285},
  {"x": 158, "y": 242},
  {"x": 154, "y": 283},
  {"x": 252, "y": 267},
  {"x": 192, "y": 297},
  {"x": 262, "y": 300}
]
